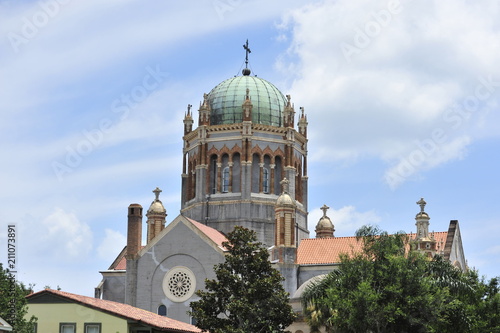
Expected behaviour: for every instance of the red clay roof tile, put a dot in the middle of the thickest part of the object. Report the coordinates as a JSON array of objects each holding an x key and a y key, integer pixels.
[
  {"x": 317, "y": 251},
  {"x": 216, "y": 236}
]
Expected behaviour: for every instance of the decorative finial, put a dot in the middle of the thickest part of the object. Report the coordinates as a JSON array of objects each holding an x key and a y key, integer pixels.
[
  {"x": 422, "y": 204},
  {"x": 284, "y": 184},
  {"x": 324, "y": 209},
  {"x": 302, "y": 109},
  {"x": 288, "y": 97},
  {"x": 246, "y": 71},
  {"x": 189, "y": 109},
  {"x": 157, "y": 192}
]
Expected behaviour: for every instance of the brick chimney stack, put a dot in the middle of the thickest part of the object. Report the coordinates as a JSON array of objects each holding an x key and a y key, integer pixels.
[{"x": 134, "y": 230}]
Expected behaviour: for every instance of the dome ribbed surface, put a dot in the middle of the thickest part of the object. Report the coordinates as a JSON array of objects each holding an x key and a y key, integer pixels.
[{"x": 228, "y": 96}]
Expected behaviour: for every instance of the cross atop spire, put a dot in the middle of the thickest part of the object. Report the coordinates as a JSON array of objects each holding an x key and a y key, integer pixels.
[
  {"x": 422, "y": 204},
  {"x": 247, "y": 49},
  {"x": 157, "y": 192},
  {"x": 324, "y": 209},
  {"x": 246, "y": 71}
]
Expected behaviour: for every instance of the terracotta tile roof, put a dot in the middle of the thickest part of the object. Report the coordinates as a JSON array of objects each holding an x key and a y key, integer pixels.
[
  {"x": 216, "y": 236},
  {"x": 326, "y": 250},
  {"x": 120, "y": 262},
  {"x": 122, "y": 310},
  {"x": 317, "y": 251}
]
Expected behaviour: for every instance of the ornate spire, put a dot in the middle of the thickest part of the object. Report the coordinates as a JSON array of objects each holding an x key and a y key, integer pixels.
[
  {"x": 289, "y": 113},
  {"x": 284, "y": 185},
  {"x": 205, "y": 99},
  {"x": 324, "y": 228},
  {"x": 156, "y": 216},
  {"x": 204, "y": 111},
  {"x": 188, "y": 120}
]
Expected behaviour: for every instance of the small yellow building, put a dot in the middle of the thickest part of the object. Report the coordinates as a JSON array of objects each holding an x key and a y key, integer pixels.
[{"x": 62, "y": 312}]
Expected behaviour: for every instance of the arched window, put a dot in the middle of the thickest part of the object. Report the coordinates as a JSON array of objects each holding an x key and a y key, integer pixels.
[
  {"x": 266, "y": 175},
  {"x": 265, "y": 180},
  {"x": 225, "y": 180},
  {"x": 255, "y": 173},
  {"x": 213, "y": 175},
  {"x": 278, "y": 175},
  {"x": 162, "y": 310},
  {"x": 236, "y": 173}
]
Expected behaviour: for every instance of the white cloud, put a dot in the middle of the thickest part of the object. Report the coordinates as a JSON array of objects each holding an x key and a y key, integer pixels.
[
  {"x": 346, "y": 220},
  {"x": 111, "y": 245},
  {"x": 426, "y": 155},
  {"x": 379, "y": 77},
  {"x": 61, "y": 235}
]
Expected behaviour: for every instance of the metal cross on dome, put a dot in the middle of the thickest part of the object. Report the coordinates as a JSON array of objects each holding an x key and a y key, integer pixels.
[{"x": 247, "y": 51}]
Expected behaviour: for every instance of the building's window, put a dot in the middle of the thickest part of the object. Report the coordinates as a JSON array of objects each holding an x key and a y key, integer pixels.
[
  {"x": 193, "y": 320},
  {"x": 179, "y": 284},
  {"x": 255, "y": 173},
  {"x": 162, "y": 310},
  {"x": 278, "y": 177},
  {"x": 265, "y": 180},
  {"x": 213, "y": 174},
  {"x": 236, "y": 173},
  {"x": 225, "y": 180},
  {"x": 67, "y": 328},
  {"x": 35, "y": 328},
  {"x": 92, "y": 328}
]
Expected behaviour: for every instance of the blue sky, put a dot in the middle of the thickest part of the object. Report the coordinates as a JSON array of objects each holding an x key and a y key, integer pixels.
[{"x": 401, "y": 98}]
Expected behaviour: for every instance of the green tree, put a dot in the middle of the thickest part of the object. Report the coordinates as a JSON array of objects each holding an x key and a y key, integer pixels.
[
  {"x": 13, "y": 304},
  {"x": 385, "y": 288},
  {"x": 247, "y": 294}
]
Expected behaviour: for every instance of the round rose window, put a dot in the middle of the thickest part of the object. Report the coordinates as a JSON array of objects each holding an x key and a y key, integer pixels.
[{"x": 179, "y": 284}]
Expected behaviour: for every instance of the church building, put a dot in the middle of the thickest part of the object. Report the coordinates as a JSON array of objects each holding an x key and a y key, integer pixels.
[{"x": 244, "y": 164}]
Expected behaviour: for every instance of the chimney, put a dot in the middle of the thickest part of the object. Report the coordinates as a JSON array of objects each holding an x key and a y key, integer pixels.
[{"x": 134, "y": 230}]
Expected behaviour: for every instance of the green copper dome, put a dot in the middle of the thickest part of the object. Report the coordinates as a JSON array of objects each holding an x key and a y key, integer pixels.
[{"x": 228, "y": 96}]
